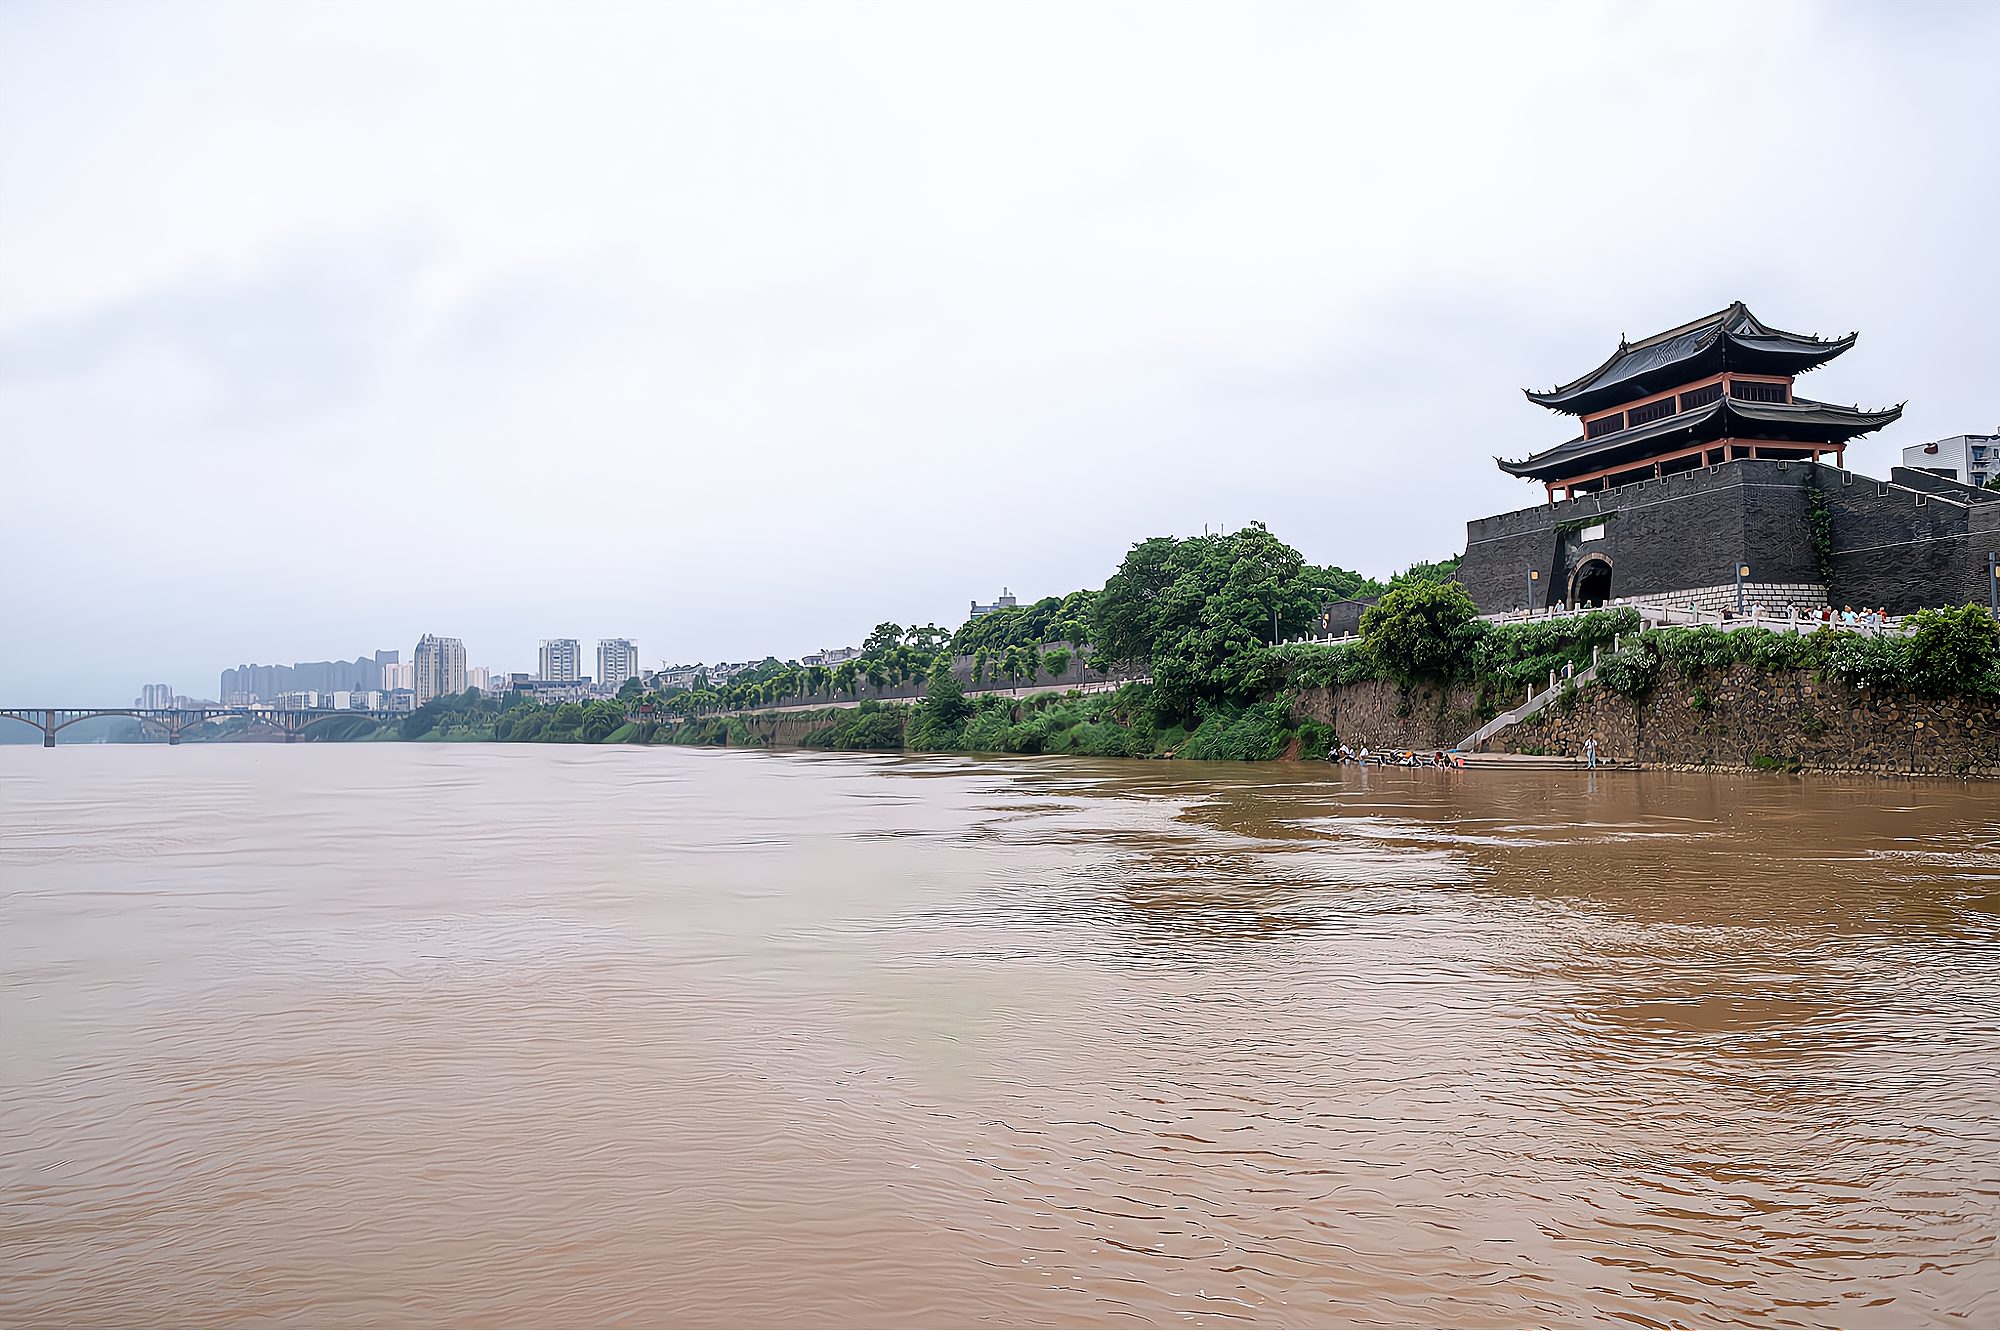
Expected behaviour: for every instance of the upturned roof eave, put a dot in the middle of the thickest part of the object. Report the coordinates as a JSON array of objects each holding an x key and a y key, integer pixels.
[{"x": 1847, "y": 422}]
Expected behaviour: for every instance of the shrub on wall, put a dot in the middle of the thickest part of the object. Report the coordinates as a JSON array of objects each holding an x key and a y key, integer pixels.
[
  {"x": 1954, "y": 650},
  {"x": 1631, "y": 671},
  {"x": 1421, "y": 630},
  {"x": 1323, "y": 665},
  {"x": 1517, "y": 654}
]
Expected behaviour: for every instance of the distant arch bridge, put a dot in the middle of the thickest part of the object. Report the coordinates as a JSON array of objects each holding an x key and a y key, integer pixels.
[{"x": 294, "y": 722}]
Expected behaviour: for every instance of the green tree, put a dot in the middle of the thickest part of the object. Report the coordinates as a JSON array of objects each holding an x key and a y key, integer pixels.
[
  {"x": 884, "y": 636},
  {"x": 1420, "y": 630},
  {"x": 1201, "y": 611},
  {"x": 939, "y": 723},
  {"x": 600, "y": 719},
  {"x": 1427, "y": 571},
  {"x": 1056, "y": 663},
  {"x": 1954, "y": 650},
  {"x": 1340, "y": 584}
]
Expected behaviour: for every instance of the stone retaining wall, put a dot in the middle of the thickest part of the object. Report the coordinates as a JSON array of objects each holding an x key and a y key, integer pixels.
[
  {"x": 1746, "y": 717},
  {"x": 1382, "y": 716}
]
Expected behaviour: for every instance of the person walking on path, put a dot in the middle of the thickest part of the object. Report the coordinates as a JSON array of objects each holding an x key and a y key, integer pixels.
[{"x": 1590, "y": 752}]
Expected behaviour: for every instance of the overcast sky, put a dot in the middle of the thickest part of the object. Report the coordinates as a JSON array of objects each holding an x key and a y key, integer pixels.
[{"x": 737, "y": 328}]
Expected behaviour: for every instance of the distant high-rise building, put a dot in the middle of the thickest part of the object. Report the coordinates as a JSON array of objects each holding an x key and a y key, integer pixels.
[
  {"x": 266, "y": 682},
  {"x": 617, "y": 661},
  {"x": 156, "y": 697},
  {"x": 481, "y": 678},
  {"x": 440, "y": 667},
  {"x": 562, "y": 660}
]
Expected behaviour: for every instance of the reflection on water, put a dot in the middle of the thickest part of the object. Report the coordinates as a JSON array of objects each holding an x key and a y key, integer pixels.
[{"x": 395, "y": 1034}]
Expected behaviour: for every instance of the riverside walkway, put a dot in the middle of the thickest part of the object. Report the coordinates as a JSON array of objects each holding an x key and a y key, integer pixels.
[
  {"x": 915, "y": 696},
  {"x": 1662, "y": 616}
]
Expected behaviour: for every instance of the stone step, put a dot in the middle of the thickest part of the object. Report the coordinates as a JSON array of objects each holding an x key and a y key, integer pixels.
[{"x": 1532, "y": 760}]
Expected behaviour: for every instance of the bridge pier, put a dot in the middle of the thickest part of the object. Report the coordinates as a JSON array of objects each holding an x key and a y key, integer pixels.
[{"x": 48, "y": 739}]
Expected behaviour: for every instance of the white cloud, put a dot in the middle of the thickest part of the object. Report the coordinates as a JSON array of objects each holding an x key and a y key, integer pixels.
[{"x": 737, "y": 328}]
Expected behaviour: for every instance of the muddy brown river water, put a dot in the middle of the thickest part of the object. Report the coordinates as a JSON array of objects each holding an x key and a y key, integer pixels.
[{"x": 402, "y": 1034}]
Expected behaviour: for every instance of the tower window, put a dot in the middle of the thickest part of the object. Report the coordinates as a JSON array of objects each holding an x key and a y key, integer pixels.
[
  {"x": 1751, "y": 392},
  {"x": 1652, "y": 411},
  {"x": 1700, "y": 397},
  {"x": 1604, "y": 425}
]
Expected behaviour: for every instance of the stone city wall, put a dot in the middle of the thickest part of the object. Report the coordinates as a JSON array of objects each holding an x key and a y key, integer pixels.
[
  {"x": 1906, "y": 543},
  {"x": 1773, "y": 596}
]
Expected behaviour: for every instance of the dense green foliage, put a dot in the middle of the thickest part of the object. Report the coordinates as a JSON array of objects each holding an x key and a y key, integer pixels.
[
  {"x": 1442, "y": 570},
  {"x": 1205, "y": 612},
  {"x": 1051, "y": 619},
  {"x": 1949, "y": 651},
  {"x": 1116, "y": 725},
  {"x": 1954, "y": 650},
  {"x": 1512, "y": 655},
  {"x": 1421, "y": 630},
  {"x": 869, "y": 726},
  {"x": 1506, "y": 656}
]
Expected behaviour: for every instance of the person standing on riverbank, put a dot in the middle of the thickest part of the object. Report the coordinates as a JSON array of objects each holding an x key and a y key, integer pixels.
[{"x": 1590, "y": 752}]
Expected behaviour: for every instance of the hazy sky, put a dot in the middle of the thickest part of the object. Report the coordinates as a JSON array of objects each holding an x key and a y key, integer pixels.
[{"x": 739, "y": 328}]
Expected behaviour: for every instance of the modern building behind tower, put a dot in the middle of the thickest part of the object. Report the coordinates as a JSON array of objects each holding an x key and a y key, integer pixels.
[
  {"x": 439, "y": 666},
  {"x": 561, "y": 660},
  {"x": 617, "y": 661},
  {"x": 1971, "y": 458}
]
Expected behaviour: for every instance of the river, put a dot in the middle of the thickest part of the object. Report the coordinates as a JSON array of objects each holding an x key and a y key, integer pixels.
[{"x": 483, "y": 1034}]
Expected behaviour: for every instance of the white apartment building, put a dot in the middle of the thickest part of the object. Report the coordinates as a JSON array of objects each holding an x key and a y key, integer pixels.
[
  {"x": 617, "y": 661},
  {"x": 1971, "y": 458},
  {"x": 481, "y": 678},
  {"x": 562, "y": 661},
  {"x": 440, "y": 667},
  {"x": 302, "y": 700},
  {"x": 830, "y": 656},
  {"x": 356, "y": 700},
  {"x": 156, "y": 697},
  {"x": 395, "y": 676}
]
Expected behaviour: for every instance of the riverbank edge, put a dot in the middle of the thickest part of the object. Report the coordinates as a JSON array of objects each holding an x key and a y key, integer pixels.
[
  {"x": 1744, "y": 719},
  {"x": 1741, "y": 718}
]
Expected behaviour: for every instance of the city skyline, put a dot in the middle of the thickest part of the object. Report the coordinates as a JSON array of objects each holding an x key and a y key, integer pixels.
[{"x": 262, "y": 681}]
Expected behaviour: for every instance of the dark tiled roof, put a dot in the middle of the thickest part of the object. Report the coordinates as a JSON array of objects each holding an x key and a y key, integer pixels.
[{"x": 1731, "y": 339}]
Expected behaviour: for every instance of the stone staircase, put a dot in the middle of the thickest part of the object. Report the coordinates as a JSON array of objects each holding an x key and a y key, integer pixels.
[{"x": 1471, "y": 743}]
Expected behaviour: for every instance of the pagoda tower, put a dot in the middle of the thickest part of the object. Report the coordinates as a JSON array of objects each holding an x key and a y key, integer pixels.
[{"x": 1708, "y": 392}]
